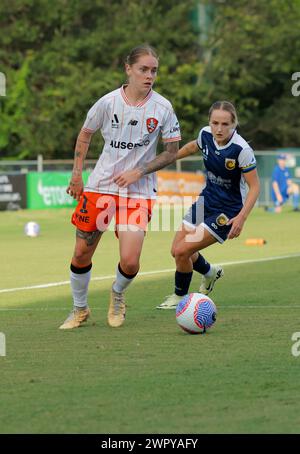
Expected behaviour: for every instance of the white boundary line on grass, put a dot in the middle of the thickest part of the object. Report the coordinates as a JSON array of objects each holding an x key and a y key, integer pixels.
[
  {"x": 93, "y": 309},
  {"x": 147, "y": 273}
]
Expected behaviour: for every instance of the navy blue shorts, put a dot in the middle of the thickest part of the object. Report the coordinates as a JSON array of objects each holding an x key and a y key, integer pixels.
[{"x": 212, "y": 219}]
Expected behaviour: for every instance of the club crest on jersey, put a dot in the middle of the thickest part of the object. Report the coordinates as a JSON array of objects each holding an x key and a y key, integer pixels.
[
  {"x": 229, "y": 163},
  {"x": 151, "y": 124},
  {"x": 222, "y": 219}
]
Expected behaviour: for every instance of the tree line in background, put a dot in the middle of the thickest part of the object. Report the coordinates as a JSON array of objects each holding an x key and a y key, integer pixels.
[{"x": 59, "y": 57}]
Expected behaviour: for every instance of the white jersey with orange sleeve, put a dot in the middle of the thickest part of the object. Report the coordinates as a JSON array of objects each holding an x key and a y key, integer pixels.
[{"x": 131, "y": 134}]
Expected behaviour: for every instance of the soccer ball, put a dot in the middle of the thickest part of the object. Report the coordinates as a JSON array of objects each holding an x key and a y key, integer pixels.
[
  {"x": 32, "y": 229},
  {"x": 196, "y": 313}
]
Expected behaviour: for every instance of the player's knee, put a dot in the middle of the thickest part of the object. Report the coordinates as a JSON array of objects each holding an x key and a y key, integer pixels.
[
  {"x": 180, "y": 252},
  {"x": 81, "y": 258},
  {"x": 130, "y": 265}
]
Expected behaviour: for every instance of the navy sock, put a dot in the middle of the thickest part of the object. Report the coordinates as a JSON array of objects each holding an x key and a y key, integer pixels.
[
  {"x": 201, "y": 265},
  {"x": 182, "y": 282}
]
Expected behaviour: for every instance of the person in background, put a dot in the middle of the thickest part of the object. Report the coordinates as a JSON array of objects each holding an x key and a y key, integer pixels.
[{"x": 282, "y": 187}]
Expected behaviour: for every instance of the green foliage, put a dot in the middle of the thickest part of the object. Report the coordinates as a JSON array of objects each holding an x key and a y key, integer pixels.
[
  {"x": 255, "y": 49},
  {"x": 15, "y": 107},
  {"x": 77, "y": 50},
  {"x": 59, "y": 57}
]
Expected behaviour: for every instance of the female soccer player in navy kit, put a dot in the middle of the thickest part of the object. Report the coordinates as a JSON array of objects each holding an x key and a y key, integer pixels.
[
  {"x": 222, "y": 207},
  {"x": 123, "y": 183}
]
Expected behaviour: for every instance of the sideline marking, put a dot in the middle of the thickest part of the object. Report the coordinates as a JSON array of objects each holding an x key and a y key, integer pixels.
[
  {"x": 65, "y": 309},
  {"x": 147, "y": 273}
]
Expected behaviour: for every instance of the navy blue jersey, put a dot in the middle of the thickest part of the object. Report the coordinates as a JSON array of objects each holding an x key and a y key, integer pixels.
[{"x": 225, "y": 166}]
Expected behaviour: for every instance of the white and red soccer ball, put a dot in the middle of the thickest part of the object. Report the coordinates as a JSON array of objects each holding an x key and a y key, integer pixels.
[{"x": 196, "y": 313}]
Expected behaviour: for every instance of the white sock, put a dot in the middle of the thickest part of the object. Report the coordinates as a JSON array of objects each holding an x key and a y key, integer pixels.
[
  {"x": 79, "y": 285},
  {"x": 121, "y": 283},
  {"x": 210, "y": 272}
]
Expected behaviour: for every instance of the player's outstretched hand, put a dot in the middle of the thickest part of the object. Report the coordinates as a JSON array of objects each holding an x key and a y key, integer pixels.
[{"x": 124, "y": 179}]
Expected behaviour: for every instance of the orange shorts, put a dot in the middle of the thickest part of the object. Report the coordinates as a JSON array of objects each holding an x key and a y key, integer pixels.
[{"x": 95, "y": 211}]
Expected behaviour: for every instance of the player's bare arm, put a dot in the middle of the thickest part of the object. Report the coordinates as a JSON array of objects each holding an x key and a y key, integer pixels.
[
  {"x": 187, "y": 150},
  {"x": 164, "y": 159},
  {"x": 238, "y": 221},
  {"x": 75, "y": 187}
]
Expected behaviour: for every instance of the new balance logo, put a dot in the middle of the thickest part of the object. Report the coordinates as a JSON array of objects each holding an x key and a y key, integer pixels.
[
  {"x": 115, "y": 122},
  {"x": 133, "y": 122}
]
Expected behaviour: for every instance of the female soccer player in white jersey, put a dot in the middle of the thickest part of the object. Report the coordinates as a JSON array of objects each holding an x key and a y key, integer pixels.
[
  {"x": 123, "y": 183},
  {"x": 222, "y": 207}
]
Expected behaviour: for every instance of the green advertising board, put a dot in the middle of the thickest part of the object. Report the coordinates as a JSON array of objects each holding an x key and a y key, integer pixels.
[{"x": 48, "y": 190}]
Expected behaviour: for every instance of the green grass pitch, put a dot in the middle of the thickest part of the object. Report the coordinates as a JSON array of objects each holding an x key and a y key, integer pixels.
[{"x": 149, "y": 376}]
